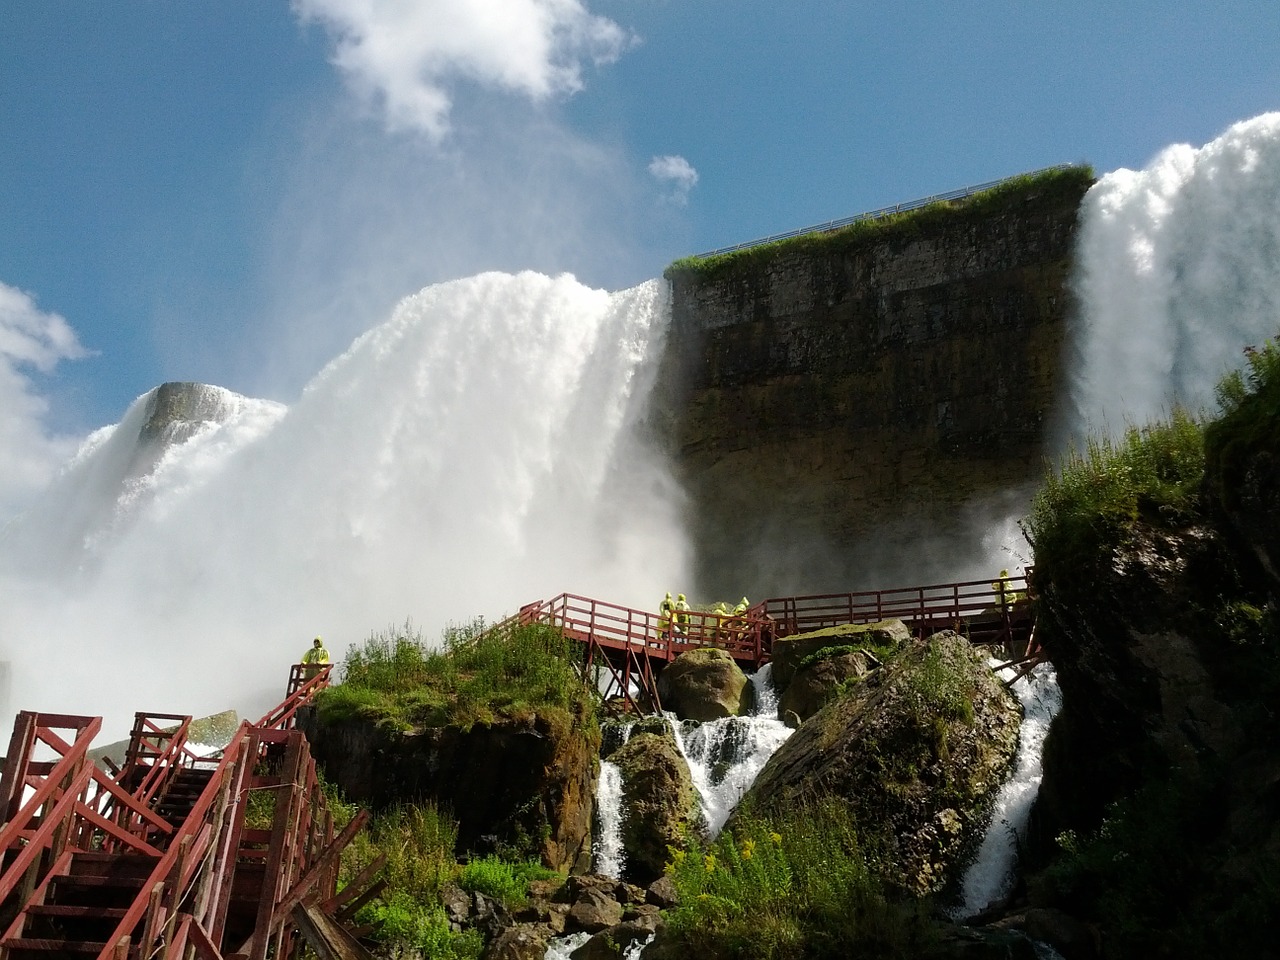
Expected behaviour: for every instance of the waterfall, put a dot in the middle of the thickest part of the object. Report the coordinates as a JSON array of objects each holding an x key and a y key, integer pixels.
[
  {"x": 726, "y": 755},
  {"x": 992, "y": 874},
  {"x": 1175, "y": 275},
  {"x": 475, "y": 452}
]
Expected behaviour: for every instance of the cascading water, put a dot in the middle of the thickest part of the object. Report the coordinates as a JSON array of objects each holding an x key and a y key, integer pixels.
[
  {"x": 473, "y": 453},
  {"x": 1175, "y": 276},
  {"x": 725, "y": 756},
  {"x": 991, "y": 877}
]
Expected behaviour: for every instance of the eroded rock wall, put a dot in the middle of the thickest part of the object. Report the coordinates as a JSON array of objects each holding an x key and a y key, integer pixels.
[{"x": 827, "y": 399}]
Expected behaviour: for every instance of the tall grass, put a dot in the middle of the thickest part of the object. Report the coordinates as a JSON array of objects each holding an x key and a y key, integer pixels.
[
  {"x": 1153, "y": 473},
  {"x": 798, "y": 887},
  {"x": 474, "y": 675}
]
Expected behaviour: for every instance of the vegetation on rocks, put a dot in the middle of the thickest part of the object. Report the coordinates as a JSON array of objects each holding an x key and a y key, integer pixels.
[
  {"x": 1156, "y": 595},
  {"x": 1069, "y": 182},
  {"x": 787, "y": 887},
  {"x": 474, "y": 675}
]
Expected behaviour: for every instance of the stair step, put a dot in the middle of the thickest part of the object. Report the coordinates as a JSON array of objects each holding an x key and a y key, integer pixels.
[
  {"x": 70, "y": 910},
  {"x": 61, "y": 946}
]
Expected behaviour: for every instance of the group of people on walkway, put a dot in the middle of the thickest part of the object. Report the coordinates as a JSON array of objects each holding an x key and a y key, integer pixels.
[{"x": 716, "y": 624}]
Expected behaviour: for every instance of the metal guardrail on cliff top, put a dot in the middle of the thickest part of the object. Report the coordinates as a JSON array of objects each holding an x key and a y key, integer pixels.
[{"x": 961, "y": 194}]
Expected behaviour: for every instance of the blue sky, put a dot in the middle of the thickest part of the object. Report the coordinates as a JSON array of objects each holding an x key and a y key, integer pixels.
[{"x": 230, "y": 192}]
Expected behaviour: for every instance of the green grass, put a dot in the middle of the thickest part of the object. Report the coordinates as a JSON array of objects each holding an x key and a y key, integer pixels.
[
  {"x": 472, "y": 676},
  {"x": 789, "y": 888},
  {"x": 418, "y": 842},
  {"x": 1070, "y": 183},
  {"x": 1085, "y": 507}
]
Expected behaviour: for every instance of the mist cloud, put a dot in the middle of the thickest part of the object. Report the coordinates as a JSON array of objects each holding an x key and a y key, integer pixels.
[
  {"x": 31, "y": 340},
  {"x": 404, "y": 55}
]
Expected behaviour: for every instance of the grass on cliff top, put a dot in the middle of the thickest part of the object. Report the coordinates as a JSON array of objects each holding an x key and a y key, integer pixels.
[
  {"x": 1071, "y": 182},
  {"x": 475, "y": 675},
  {"x": 788, "y": 887},
  {"x": 1084, "y": 507}
]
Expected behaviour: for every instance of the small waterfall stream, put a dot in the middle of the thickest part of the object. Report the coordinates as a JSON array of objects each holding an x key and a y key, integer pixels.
[
  {"x": 992, "y": 875},
  {"x": 725, "y": 756}
]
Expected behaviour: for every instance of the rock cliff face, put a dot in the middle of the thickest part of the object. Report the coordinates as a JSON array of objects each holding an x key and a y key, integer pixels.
[
  {"x": 516, "y": 782},
  {"x": 903, "y": 381}
]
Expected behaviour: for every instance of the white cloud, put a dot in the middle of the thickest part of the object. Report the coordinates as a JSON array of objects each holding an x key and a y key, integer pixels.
[
  {"x": 677, "y": 171},
  {"x": 405, "y": 54},
  {"x": 29, "y": 339}
]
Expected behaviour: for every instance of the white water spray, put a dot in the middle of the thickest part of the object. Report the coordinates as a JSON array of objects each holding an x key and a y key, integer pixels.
[
  {"x": 1176, "y": 275},
  {"x": 610, "y": 856},
  {"x": 725, "y": 756},
  {"x": 473, "y": 453},
  {"x": 992, "y": 875}
]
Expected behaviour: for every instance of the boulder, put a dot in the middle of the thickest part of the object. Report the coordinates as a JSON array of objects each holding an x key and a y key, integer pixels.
[
  {"x": 521, "y": 941},
  {"x": 704, "y": 684},
  {"x": 916, "y": 752},
  {"x": 820, "y": 679},
  {"x": 514, "y": 781},
  {"x": 790, "y": 652},
  {"x": 659, "y": 805},
  {"x": 593, "y": 911},
  {"x": 616, "y": 941}
]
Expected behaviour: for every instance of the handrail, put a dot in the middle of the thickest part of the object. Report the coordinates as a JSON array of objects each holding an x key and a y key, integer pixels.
[
  {"x": 925, "y": 606},
  {"x": 961, "y": 194},
  {"x": 302, "y": 689}
]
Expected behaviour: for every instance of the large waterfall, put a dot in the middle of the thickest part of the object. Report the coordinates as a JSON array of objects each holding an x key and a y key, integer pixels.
[
  {"x": 475, "y": 452},
  {"x": 1176, "y": 273}
]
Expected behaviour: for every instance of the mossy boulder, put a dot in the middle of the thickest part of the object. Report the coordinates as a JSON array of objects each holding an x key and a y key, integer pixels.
[
  {"x": 821, "y": 678},
  {"x": 705, "y": 685},
  {"x": 789, "y": 653},
  {"x": 917, "y": 752},
  {"x": 659, "y": 804}
]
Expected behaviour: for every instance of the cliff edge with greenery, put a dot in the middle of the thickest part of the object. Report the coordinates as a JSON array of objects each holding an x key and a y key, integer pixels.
[{"x": 1156, "y": 597}]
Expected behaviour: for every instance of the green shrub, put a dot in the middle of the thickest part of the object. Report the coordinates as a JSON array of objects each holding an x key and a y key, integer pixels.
[
  {"x": 783, "y": 889},
  {"x": 1084, "y": 508},
  {"x": 502, "y": 880}
]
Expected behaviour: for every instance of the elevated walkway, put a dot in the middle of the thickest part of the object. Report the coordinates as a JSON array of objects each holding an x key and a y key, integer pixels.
[{"x": 627, "y": 649}]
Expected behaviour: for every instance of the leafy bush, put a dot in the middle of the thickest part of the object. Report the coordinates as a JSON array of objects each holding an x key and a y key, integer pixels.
[
  {"x": 782, "y": 889},
  {"x": 502, "y": 880}
]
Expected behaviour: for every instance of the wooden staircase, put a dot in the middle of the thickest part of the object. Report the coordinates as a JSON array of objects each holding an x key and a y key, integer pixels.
[{"x": 157, "y": 861}]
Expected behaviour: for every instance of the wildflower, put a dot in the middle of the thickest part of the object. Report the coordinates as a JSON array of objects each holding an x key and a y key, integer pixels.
[
  {"x": 709, "y": 861},
  {"x": 775, "y": 839},
  {"x": 748, "y": 849}
]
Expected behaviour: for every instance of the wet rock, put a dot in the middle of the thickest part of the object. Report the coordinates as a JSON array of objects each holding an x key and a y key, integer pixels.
[
  {"x": 612, "y": 943},
  {"x": 790, "y": 652},
  {"x": 705, "y": 685},
  {"x": 818, "y": 682},
  {"x": 1067, "y": 935},
  {"x": 593, "y": 911},
  {"x": 659, "y": 805},
  {"x": 916, "y": 755},
  {"x": 521, "y": 941},
  {"x": 662, "y": 893}
]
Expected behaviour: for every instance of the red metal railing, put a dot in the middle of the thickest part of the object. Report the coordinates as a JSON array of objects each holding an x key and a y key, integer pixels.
[
  {"x": 975, "y": 605},
  {"x": 613, "y": 626},
  {"x": 54, "y": 807}
]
